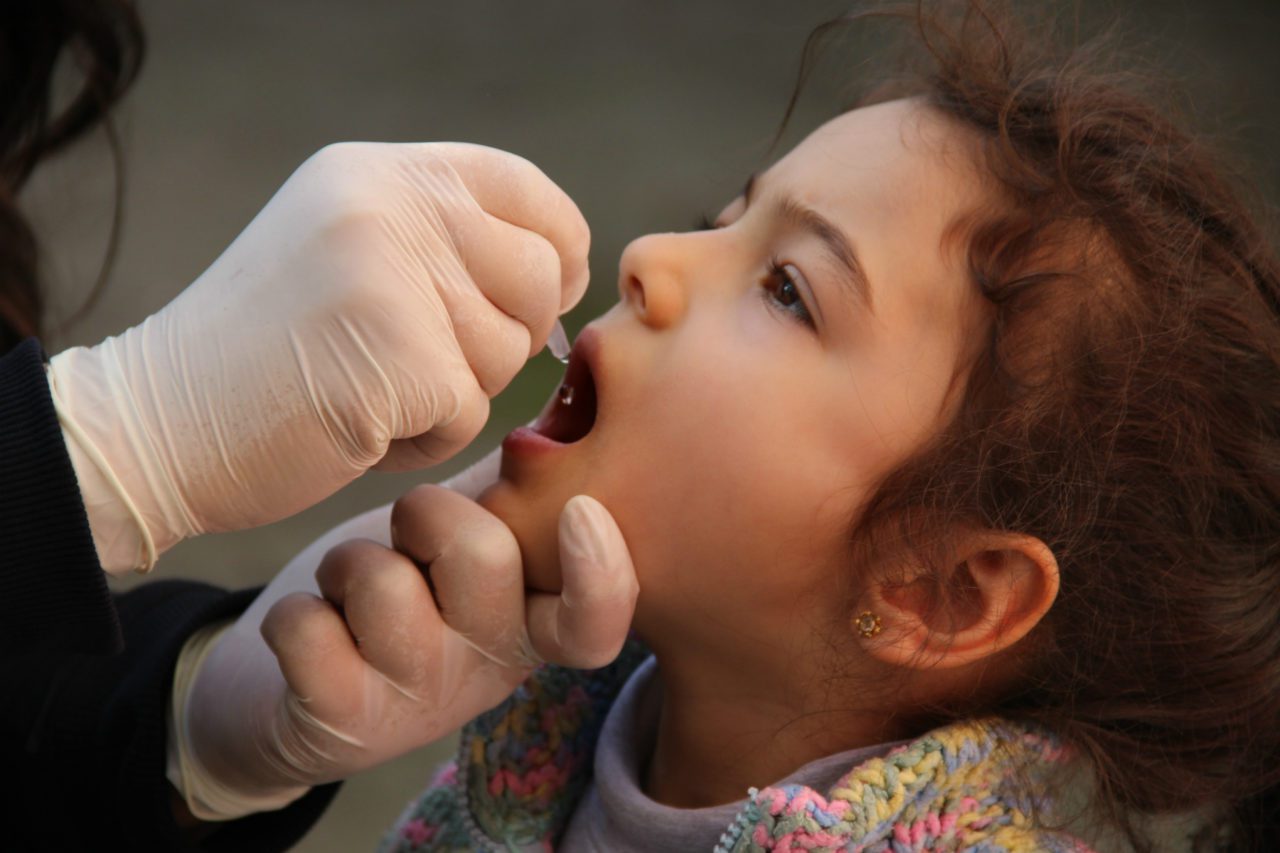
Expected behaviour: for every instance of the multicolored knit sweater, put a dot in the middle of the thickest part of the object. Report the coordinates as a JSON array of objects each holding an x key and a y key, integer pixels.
[{"x": 522, "y": 767}]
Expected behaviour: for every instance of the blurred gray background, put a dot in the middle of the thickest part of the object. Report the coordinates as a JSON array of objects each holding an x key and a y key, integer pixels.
[{"x": 647, "y": 113}]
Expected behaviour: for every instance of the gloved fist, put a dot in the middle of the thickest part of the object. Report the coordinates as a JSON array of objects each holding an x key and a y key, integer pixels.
[
  {"x": 385, "y": 661},
  {"x": 363, "y": 319}
]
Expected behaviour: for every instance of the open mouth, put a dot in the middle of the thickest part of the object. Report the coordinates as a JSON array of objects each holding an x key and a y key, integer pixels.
[{"x": 572, "y": 412}]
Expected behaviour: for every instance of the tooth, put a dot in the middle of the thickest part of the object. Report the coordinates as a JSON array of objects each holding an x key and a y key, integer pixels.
[{"x": 566, "y": 394}]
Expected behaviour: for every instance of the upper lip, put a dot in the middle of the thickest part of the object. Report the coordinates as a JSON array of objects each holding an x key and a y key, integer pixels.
[{"x": 587, "y": 347}]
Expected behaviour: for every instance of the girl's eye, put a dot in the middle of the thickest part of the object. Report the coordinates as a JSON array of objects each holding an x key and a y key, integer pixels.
[{"x": 781, "y": 292}]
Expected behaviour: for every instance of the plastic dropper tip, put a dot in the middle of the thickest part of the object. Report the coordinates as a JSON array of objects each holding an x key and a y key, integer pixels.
[{"x": 558, "y": 343}]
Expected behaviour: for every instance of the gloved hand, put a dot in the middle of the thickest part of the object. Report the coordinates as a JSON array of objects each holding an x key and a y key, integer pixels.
[
  {"x": 377, "y": 667},
  {"x": 363, "y": 319}
]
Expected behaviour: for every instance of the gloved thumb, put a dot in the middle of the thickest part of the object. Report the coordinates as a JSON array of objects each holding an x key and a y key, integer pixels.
[{"x": 586, "y": 625}]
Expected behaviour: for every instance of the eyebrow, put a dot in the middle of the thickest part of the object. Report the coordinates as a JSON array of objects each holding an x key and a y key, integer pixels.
[{"x": 837, "y": 245}]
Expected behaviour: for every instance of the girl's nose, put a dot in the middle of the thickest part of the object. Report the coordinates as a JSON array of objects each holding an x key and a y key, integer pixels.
[{"x": 650, "y": 278}]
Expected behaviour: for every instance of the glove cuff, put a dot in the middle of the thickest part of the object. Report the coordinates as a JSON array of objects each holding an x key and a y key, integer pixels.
[
  {"x": 120, "y": 536},
  {"x": 206, "y": 797}
]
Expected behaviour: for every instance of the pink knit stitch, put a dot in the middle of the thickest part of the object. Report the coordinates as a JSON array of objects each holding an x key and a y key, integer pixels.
[
  {"x": 777, "y": 800},
  {"x": 417, "y": 832},
  {"x": 800, "y": 801},
  {"x": 802, "y": 839}
]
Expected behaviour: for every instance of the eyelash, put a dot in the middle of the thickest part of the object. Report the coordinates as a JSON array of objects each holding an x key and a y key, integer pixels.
[{"x": 779, "y": 276}]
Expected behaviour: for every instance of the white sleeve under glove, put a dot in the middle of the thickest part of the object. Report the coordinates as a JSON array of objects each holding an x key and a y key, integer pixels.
[
  {"x": 363, "y": 319},
  {"x": 336, "y": 670}
]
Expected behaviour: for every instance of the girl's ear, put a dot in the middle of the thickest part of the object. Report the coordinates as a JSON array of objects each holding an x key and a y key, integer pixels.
[{"x": 999, "y": 587}]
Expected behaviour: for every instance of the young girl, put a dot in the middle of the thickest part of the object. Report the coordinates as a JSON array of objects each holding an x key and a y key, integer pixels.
[{"x": 948, "y": 461}]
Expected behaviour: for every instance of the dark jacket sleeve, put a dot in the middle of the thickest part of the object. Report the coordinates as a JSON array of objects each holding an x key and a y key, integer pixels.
[
  {"x": 85, "y": 680},
  {"x": 82, "y": 748},
  {"x": 53, "y": 596}
]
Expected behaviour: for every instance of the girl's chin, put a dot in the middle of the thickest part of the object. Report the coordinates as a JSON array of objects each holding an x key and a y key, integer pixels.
[{"x": 535, "y": 528}]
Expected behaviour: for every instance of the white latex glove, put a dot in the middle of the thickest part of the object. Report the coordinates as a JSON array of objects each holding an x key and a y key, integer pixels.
[
  {"x": 370, "y": 666},
  {"x": 363, "y": 319}
]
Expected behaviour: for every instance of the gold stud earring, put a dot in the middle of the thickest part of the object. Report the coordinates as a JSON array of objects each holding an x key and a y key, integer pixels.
[{"x": 867, "y": 623}]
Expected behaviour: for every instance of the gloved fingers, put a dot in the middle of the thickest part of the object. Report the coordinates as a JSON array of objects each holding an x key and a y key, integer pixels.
[
  {"x": 387, "y": 607},
  {"x": 493, "y": 344},
  {"x": 514, "y": 190},
  {"x": 474, "y": 564},
  {"x": 459, "y": 421},
  {"x": 518, "y": 270},
  {"x": 587, "y": 623},
  {"x": 317, "y": 655}
]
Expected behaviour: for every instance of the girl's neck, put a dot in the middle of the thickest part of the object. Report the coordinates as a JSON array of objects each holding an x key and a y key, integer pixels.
[{"x": 717, "y": 737}]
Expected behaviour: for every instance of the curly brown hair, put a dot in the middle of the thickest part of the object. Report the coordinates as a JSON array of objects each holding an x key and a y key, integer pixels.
[{"x": 1125, "y": 409}]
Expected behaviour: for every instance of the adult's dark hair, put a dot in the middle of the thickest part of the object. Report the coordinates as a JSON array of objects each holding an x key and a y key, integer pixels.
[
  {"x": 1125, "y": 409},
  {"x": 102, "y": 41}
]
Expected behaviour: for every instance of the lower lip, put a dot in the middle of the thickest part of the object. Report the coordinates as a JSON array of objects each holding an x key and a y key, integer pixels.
[{"x": 523, "y": 441}]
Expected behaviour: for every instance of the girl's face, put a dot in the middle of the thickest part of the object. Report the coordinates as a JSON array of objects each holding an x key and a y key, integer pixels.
[{"x": 757, "y": 379}]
